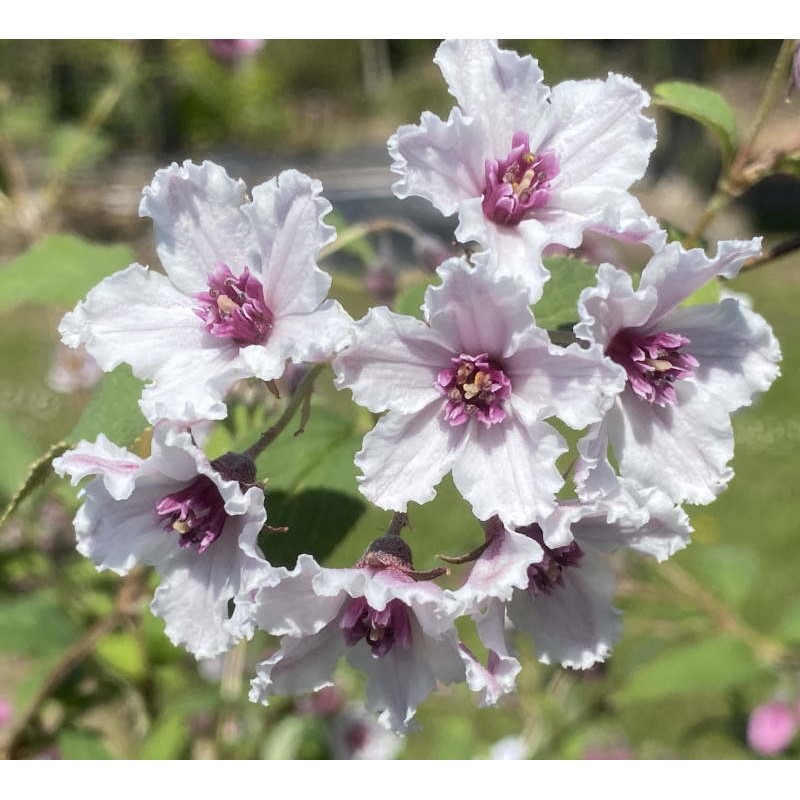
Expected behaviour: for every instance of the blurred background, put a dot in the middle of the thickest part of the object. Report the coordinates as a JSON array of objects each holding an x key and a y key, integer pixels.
[{"x": 709, "y": 638}]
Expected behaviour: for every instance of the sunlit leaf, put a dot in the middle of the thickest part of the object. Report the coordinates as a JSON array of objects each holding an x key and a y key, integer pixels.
[
  {"x": 557, "y": 309},
  {"x": 38, "y": 472}
]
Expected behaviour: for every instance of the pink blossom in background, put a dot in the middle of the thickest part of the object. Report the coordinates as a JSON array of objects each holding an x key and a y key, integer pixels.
[
  {"x": 230, "y": 51},
  {"x": 5, "y": 712},
  {"x": 771, "y": 728},
  {"x": 608, "y": 753}
]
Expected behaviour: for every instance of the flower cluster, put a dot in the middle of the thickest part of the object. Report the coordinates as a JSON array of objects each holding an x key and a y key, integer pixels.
[{"x": 471, "y": 388}]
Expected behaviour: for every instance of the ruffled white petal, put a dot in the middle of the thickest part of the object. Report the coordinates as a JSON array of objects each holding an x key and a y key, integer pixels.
[
  {"x": 117, "y": 467},
  {"x": 736, "y": 348},
  {"x": 498, "y": 87},
  {"x": 136, "y": 317},
  {"x": 286, "y": 216},
  {"x": 405, "y": 456},
  {"x": 198, "y": 222},
  {"x": 392, "y": 363},
  {"x": 675, "y": 273},
  {"x": 623, "y": 218},
  {"x": 574, "y": 625},
  {"x": 442, "y": 162},
  {"x": 476, "y": 312},
  {"x": 682, "y": 449},
  {"x": 593, "y": 474},
  {"x": 509, "y": 470},
  {"x": 576, "y": 385}
]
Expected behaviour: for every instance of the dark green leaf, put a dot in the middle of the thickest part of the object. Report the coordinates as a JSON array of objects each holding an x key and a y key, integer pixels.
[
  {"x": 59, "y": 270},
  {"x": 705, "y": 105},
  {"x": 557, "y": 309},
  {"x": 113, "y": 410},
  {"x": 708, "y": 666}
]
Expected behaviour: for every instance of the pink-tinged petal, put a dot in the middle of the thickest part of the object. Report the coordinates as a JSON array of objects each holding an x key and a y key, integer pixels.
[
  {"x": 624, "y": 219},
  {"x": 737, "y": 351},
  {"x": 300, "y": 338},
  {"x": 509, "y": 470},
  {"x": 286, "y": 216},
  {"x": 612, "y": 305},
  {"x": 196, "y": 588},
  {"x": 198, "y": 222},
  {"x": 576, "y": 385},
  {"x": 593, "y": 474},
  {"x": 295, "y": 606},
  {"x": 392, "y": 363},
  {"x": 302, "y": 665},
  {"x": 400, "y": 680},
  {"x": 117, "y": 467},
  {"x": 646, "y": 521},
  {"x": 501, "y": 568},
  {"x": 192, "y": 385},
  {"x": 135, "y": 316},
  {"x": 682, "y": 449},
  {"x": 405, "y": 456},
  {"x": 602, "y": 139},
  {"x": 575, "y": 624},
  {"x": 513, "y": 251},
  {"x": 499, "y": 676},
  {"x": 558, "y": 528},
  {"x": 443, "y": 162},
  {"x": 119, "y": 534},
  {"x": 475, "y": 312},
  {"x": 676, "y": 273},
  {"x": 498, "y": 87}
]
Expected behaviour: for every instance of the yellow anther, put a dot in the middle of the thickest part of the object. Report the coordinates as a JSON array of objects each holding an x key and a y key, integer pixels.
[
  {"x": 181, "y": 526},
  {"x": 225, "y": 304}
]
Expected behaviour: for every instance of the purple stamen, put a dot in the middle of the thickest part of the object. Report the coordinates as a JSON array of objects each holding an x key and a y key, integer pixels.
[
  {"x": 518, "y": 184},
  {"x": 548, "y": 573},
  {"x": 474, "y": 388},
  {"x": 381, "y": 629},
  {"x": 234, "y": 307},
  {"x": 653, "y": 363},
  {"x": 196, "y": 512}
]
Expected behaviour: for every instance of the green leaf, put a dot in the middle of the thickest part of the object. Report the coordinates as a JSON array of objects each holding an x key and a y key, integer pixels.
[
  {"x": 730, "y": 571},
  {"x": 18, "y": 451},
  {"x": 167, "y": 739},
  {"x": 123, "y": 653},
  {"x": 705, "y": 105},
  {"x": 708, "y": 666},
  {"x": 38, "y": 473},
  {"x": 35, "y": 625},
  {"x": 410, "y": 299},
  {"x": 290, "y": 737},
  {"x": 81, "y": 746},
  {"x": 705, "y": 295},
  {"x": 113, "y": 410},
  {"x": 558, "y": 307},
  {"x": 59, "y": 270}
]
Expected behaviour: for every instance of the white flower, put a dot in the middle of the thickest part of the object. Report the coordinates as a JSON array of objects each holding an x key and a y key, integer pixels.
[
  {"x": 467, "y": 390},
  {"x": 189, "y": 518},
  {"x": 242, "y": 293},
  {"x": 688, "y": 370},
  {"x": 524, "y": 166},
  {"x": 552, "y": 582},
  {"x": 396, "y": 629}
]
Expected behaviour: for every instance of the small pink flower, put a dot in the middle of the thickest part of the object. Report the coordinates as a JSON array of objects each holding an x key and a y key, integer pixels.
[
  {"x": 6, "y": 712},
  {"x": 231, "y": 51},
  {"x": 771, "y": 728}
]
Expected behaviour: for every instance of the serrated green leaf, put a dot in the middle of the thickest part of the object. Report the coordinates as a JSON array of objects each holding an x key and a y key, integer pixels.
[
  {"x": 123, "y": 653},
  {"x": 558, "y": 307},
  {"x": 59, "y": 270},
  {"x": 113, "y": 410},
  {"x": 38, "y": 473},
  {"x": 708, "y": 666},
  {"x": 704, "y": 105},
  {"x": 81, "y": 746}
]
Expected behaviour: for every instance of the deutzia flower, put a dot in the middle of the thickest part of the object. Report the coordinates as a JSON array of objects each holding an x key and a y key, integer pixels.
[
  {"x": 242, "y": 293},
  {"x": 393, "y": 627},
  {"x": 467, "y": 390},
  {"x": 552, "y": 582},
  {"x": 195, "y": 521},
  {"x": 525, "y": 166},
  {"x": 688, "y": 369}
]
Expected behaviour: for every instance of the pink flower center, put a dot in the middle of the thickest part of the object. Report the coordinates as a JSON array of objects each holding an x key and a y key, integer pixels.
[
  {"x": 381, "y": 629},
  {"x": 234, "y": 308},
  {"x": 548, "y": 573},
  {"x": 196, "y": 512},
  {"x": 518, "y": 184},
  {"x": 474, "y": 387},
  {"x": 653, "y": 363}
]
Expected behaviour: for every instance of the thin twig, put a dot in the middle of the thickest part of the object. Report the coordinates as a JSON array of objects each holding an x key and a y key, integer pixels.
[{"x": 364, "y": 229}]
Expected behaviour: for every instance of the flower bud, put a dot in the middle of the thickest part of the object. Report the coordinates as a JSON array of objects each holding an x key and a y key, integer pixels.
[{"x": 771, "y": 728}]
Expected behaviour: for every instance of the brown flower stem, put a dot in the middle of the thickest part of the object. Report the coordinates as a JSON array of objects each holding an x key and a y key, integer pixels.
[{"x": 296, "y": 401}]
